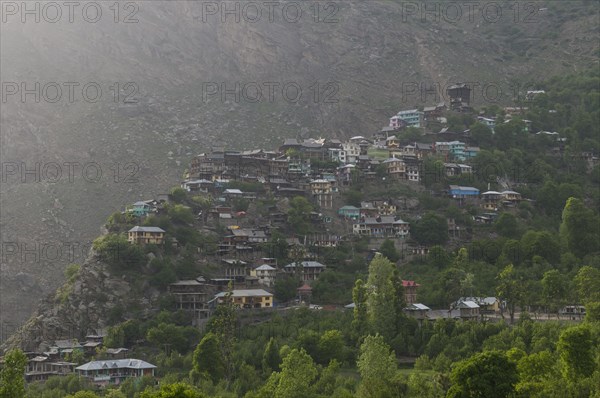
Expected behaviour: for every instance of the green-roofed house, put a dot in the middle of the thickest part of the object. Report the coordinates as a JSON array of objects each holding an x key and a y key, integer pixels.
[
  {"x": 350, "y": 212},
  {"x": 140, "y": 209}
]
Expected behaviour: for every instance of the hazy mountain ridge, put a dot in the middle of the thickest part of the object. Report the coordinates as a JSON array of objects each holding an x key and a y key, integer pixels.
[{"x": 170, "y": 52}]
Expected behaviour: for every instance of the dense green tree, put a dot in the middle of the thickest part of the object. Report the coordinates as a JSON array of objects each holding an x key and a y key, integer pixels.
[
  {"x": 331, "y": 346},
  {"x": 353, "y": 197},
  {"x": 114, "y": 393},
  {"x": 298, "y": 215},
  {"x": 12, "y": 382},
  {"x": 285, "y": 288},
  {"x": 271, "y": 359},
  {"x": 512, "y": 252},
  {"x": 178, "y": 194},
  {"x": 116, "y": 251},
  {"x": 276, "y": 247},
  {"x": 540, "y": 243},
  {"x": 377, "y": 367},
  {"x": 485, "y": 375},
  {"x": 422, "y": 385},
  {"x": 506, "y": 225},
  {"x": 82, "y": 394},
  {"x": 431, "y": 229},
  {"x": 510, "y": 288},
  {"x": 534, "y": 371},
  {"x": 510, "y": 134},
  {"x": 587, "y": 283},
  {"x": 554, "y": 289},
  {"x": 168, "y": 335},
  {"x": 579, "y": 228},
  {"x": 208, "y": 359},
  {"x": 438, "y": 257},
  {"x": 223, "y": 325},
  {"x": 481, "y": 134},
  {"x": 180, "y": 214},
  {"x": 449, "y": 285},
  {"x": 592, "y": 311},
  {"x": 308, "y": 340},
  {"x": 298, "y": 373},
  {"x": 360, "y": 321},
  {"x": 388, "y": 249},
  {"x": 381, "y": 305},
  {"x": 175, "y": 390},
  {"x": 576, "y": 353},
  {"x": 399, "y": 298}
]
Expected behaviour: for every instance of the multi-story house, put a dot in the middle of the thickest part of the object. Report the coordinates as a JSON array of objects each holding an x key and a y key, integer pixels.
[
  {"x": 337, "y": 154},
  {"x": 410, "y": 291},
  {"x": 146, "y": 235},
  {"x": 114, "y": 372},
  {"x": 511, "y": 197},
  {"x": 460, "y": 97},
  {"x": 247, "y": 298},
  {"x": 457, "y": 149},
  {"x": 265, "y": 274},
  {"x": 382, "y": 227},
  {"x": 385, "y": 208},
  {"x": 352, "y": 150},
  {"x": 322, "y": 192},
  {"x": 469, "y": 310},
  {"x": 471, "y": 151},
  {"x": 310, "y": 269},
  {"x": 491, "y": 200},
  {"x": 423, "y": 150},
  {"x": 457, "y": 169},
  {"x": 204, "y": 186},
  {"x": 413, "y": 172},
  {"x": 193, "y": 296},
  {"x": 235, "y": 269},
  {"x": 396, "y": 168},
  {"x": 412, "y": 118}
]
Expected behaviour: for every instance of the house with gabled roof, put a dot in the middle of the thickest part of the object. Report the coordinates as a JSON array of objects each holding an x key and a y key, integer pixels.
[
  {"x": 417, "y": 310},
  {"x": 199, "y": 185},
  {"x": 114, "y": 371},
  {"x": 461, "y": 192},
  {"x": 491, "y": 200},
  {"x": 349, "y": 212},
  {"x": 310, "y": 269},
  {"x": 266, "y": 274},
  {"x": 487, "y": 305},
  {"x": 469, "y": 310},
  {"x": 395, "y": 168},
  {"x": 140, "y": 209},
  {"x": 146, "y": 235},
  {"x": 511, "y": 197},
  {"x": 382, "y": 227},
  {"x": 410, "y": 291}
]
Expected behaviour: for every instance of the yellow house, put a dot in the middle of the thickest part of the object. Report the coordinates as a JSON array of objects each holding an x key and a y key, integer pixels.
[
  {"x": 145, "y": 235},
  {"x": 248, "y": 298}
]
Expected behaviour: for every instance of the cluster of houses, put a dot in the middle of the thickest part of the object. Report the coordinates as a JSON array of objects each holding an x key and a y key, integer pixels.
[
  {"x": 375, "y": 219},
  {"x": 465, "y": 308},
  {"x": 246, "y": 284},
  {"x": 58, "y": 361},
  {"x": 489, "y": 200}
]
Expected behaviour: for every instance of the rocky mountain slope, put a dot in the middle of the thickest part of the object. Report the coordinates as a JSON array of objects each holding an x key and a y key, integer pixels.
[{"x": 371, "y": 52}]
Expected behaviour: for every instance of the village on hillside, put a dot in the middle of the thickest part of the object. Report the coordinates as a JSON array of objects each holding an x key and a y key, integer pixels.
[{"x": 308, "y": 182}]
